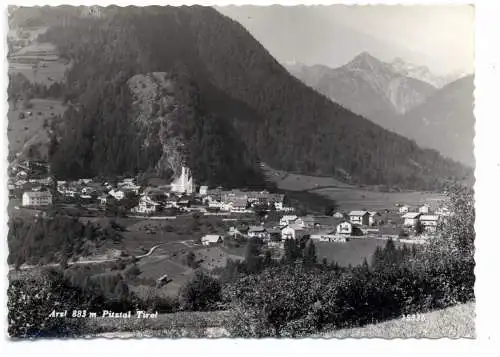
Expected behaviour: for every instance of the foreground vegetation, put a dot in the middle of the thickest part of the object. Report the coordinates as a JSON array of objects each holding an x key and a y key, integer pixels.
[{"x": 293, "y": 296}]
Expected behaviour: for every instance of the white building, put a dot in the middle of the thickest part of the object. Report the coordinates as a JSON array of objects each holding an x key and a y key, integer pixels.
[
  {"x": 359, "y": 217},
  {"x": 344, "y": 228},
  {"x": 184, "y": 183},
  {"x": 287, "y": 219},
  {"x": 404, "y": 209},
  {"x": 40, "y": 198},
  {"x": 210, "y": 239},
  {"x": 424, "y": 209},
  {"x": 146, "y": 206},
  {"x": 371, "y": 218},
  {"x": 117, "y": 194},
  {"x": 203, "y": 190}
]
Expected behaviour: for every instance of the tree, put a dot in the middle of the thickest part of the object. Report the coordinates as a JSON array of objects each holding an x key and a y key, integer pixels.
[
  {"x": 253, "y": 261},
  {"x": 310, "y": 253},
  {"x": 331, "y": 208},
  {"x": 201, "y": 292}
]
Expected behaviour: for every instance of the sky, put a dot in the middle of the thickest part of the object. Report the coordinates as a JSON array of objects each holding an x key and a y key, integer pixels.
[{"x": 437, "y": 36}]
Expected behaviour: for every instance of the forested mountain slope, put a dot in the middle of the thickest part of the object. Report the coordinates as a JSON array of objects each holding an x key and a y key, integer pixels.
[{"x": 230, "y": 91}]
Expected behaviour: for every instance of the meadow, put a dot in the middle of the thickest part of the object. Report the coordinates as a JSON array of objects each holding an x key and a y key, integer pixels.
[{"x": 30, "y": 131}]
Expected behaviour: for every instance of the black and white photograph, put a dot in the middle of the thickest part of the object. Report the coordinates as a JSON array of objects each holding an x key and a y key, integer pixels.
[{"x": 240, "y": 172}]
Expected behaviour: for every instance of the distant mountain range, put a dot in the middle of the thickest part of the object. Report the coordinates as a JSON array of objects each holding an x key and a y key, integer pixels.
[
  {"x": 445, "y": 121},
  {"x": 403, "y": 98},
  {"x": 209, "y": 95}
]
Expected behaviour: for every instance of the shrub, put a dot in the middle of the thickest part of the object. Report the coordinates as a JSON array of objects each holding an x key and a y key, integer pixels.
[{"x": 201, "y": 292}]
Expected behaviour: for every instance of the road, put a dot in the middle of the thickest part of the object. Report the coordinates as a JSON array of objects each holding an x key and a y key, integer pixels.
[{"x": 98, "y": 261}]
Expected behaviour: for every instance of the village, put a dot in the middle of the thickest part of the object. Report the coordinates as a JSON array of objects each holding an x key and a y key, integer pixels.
[{"x": 252, "y": 214}]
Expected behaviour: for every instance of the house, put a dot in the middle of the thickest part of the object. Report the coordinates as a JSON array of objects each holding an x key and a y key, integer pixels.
[
  {"x": 424, "y": 209},
  {"x": 203, "y": 190},
  {"x": 211, "y": 239},
  {"x": 184, "y": 183},
  {"x": 39, "y": 198},
  {"x": 361, "y": 218},
  {"x": 103, "y": 199},
  {"x": 238, "y": 204},
  {"x": 411, "y": 219},
  {"x": 404, "y": 209},
  {"x": 328, "y": 236},
  {"x": 117, "y": 194},
  {"x": 344, "y": 228},
  {"x": 146, "y": 206},
  {"x": 258, "y": 232},
  {"x": 429, "y": 223},
  {"x": 292, "y": 231},
  {"x": 372, "y": 218},
  {"x": 287, "y": 219},
  {"x": 443, "y": 211}
]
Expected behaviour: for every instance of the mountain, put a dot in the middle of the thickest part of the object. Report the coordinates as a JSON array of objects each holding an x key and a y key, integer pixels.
[
  {"x": 368, "y": 87},
  {"x": 207, "y": 83},
  {"x": 445, "y": 121},
  {"x": 423, "y": 73}
]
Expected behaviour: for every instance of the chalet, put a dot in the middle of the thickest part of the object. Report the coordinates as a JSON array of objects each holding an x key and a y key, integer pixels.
[
  {"x": 411, "y": 219},
  {"x": 146, "y": 206},
  {"x": 211, "y": 239},
  {"x": 404, "y": 209},
  {"x": 361, "y": 218},
  {"x": 424, "y": 209},
  {"x": 344, "y": 228},
  {"x": 258, "y": 232},
  {"x": 429, "y": 223},
  {"x": 35, "y": 199},
  {"x": 443, "y": 212},
  {"x": 237, "y": 204},
  {"x": 129, "y": 187}
]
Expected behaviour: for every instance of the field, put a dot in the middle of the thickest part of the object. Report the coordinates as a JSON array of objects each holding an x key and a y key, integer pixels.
[
  {"x": 348, "y": 197},
  {"x": 39, "y": 62},
  {"x": 352, "y": 252},
  {"x": 30, "y": 131}
]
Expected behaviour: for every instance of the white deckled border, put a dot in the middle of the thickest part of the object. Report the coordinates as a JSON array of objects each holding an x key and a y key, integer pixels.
[{"x": 487, "y": 153}]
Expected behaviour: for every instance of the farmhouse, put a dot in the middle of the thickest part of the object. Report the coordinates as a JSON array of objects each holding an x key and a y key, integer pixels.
[
  {"x": 429, "y": 223},
  {"x": 287, "y": 219},
  {"x": 258, "y": 232},
  {"x": 146, "y": 206},
  {"x": 344, "y": 228},
  {"x": 411, "y": 219},
  {"x": 211, "y": 239},
  {"x": 361, "y": 218},
  {"x": 40, "y": 198}
]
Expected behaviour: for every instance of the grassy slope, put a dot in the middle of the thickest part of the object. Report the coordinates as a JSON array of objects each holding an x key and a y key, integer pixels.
[{"x": 452, "y": 322}]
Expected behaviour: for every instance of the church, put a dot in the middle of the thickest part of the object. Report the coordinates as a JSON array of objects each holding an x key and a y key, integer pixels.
[{"x": 184, "y": 183}]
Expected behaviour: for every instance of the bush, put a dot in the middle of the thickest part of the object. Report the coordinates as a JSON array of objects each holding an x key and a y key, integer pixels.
[{"x": 202, "y": 292}]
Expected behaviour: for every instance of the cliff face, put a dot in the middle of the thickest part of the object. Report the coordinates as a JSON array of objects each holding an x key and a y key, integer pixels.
[{"x": 156, "y": 110}]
